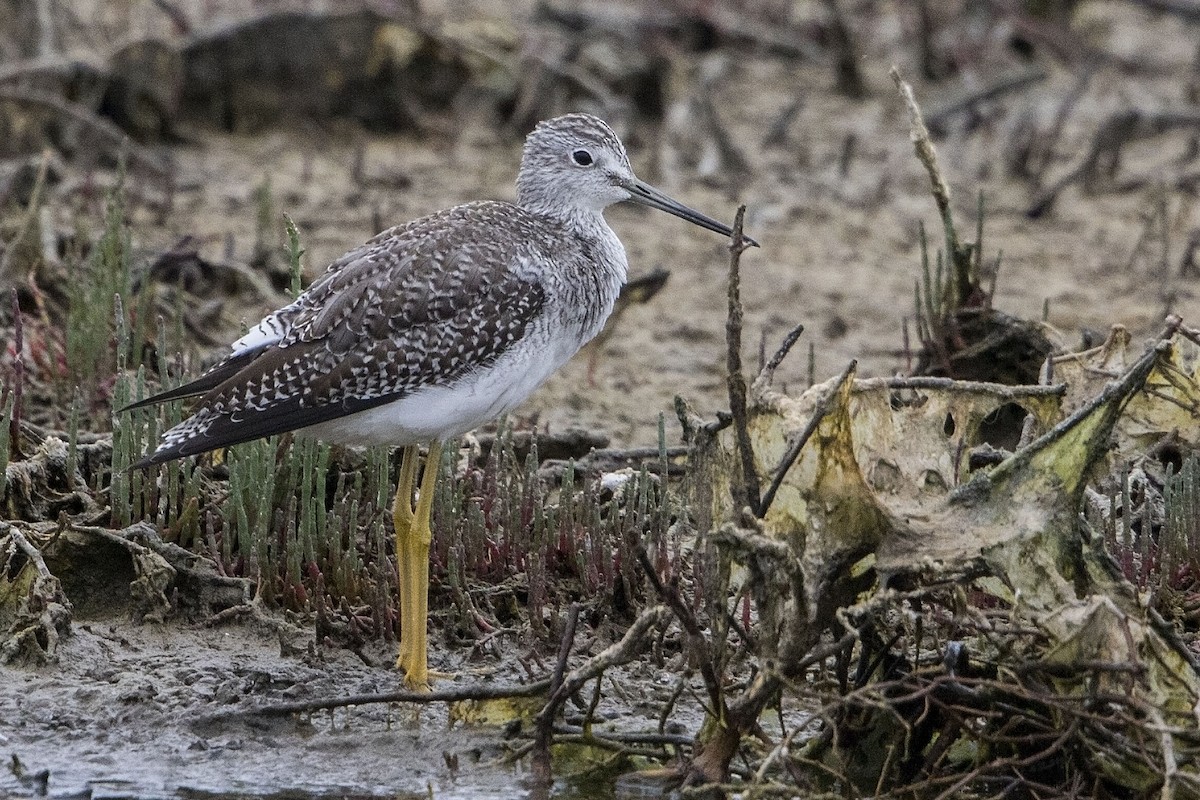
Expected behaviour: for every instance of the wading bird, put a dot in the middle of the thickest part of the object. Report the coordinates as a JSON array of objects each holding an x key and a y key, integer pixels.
[{"x": 432, "y": 328}]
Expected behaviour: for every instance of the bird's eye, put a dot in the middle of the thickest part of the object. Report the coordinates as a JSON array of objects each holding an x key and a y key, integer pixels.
[{"x": 582, "y": 157}]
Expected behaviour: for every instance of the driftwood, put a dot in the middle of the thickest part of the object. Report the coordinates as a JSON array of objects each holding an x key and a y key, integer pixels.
[
  {"x": 34, "y": 611},
  {"x": 878, "y": 513},
  {"x": 981, "y": 635},
  {"x": 128, "y": 571}
]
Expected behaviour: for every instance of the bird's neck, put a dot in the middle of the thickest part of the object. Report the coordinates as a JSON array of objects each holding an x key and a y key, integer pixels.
[
  {"x": 586, "y": 287},
  {"x": 585, "y": 223},
  {"x": 537, "y": 200}
]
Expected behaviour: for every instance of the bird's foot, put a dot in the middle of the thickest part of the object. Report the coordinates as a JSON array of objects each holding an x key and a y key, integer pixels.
[{"x": 421, "y": 680}]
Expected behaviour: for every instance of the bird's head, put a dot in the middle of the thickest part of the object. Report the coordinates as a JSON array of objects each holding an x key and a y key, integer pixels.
[{"x": 577, "y": 163}]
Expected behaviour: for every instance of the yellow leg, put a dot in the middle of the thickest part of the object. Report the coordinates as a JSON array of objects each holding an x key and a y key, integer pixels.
[
  {"x": 413, "y": 536},
  {"x": 403, "y": 518}
]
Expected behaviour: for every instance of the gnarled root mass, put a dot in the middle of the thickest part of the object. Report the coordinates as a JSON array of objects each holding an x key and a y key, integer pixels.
[{"x": 982, "y": 638}]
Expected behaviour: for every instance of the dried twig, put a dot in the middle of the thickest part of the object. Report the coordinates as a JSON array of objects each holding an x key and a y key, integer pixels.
[
  {"x": 767, "y": 374},
  {"x": 1100, "y": 164},
  {"x": 1043, "y": 155},
  {"x": 695, "y": 640},
  {"x": 793, "y": 452},
  {"x": 542, "y": 775},
  {"x": 621, "y": 652},
  {"x": 1000, "y": 390},
  {"x": 745, "y": 493},
  {"x": 777, "y": 131},
  {"x": 451, "y": 695},
  {"x": 182, "y": 26}
]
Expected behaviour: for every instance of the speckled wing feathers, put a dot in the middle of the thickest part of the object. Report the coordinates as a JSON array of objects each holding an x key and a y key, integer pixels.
[{"x": 419, "y": 305}]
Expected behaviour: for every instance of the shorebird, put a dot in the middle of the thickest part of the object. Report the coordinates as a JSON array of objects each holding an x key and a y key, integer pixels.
[{"x": 432, "y": 328}]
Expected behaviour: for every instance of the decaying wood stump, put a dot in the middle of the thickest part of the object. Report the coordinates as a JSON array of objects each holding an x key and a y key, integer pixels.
[{"x": 995, "y": 637}]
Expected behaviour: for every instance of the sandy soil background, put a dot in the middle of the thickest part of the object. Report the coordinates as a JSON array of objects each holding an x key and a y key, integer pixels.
[{"x": 839, "y": 248}]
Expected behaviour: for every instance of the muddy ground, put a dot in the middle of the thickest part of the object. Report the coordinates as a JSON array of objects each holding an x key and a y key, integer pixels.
[
  {"x": 137, "y": 711},
  {"x": 123, "y": 712}
]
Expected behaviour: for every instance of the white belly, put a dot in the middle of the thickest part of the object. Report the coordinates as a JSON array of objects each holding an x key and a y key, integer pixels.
[{"x": 443, "y": 412}]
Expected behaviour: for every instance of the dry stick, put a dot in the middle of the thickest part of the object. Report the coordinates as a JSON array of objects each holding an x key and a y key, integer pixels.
[
  {"x": 632, "y": 737},
  {"x": 759, "y": 544},
  {"x": 31, "y": 552},
  {"x": 542, "y": 774},
  {"x": 695, "y": 641},
  {"x": 1192, "y": 334},
  {"x": 734, "y": 161},
  {"x": 621, "y": 652},
  {"x": 589, "y": 715},
  {"x": 745, "y": 494},
  {"x": 182, "y": 26},
  {"x": 777, "y": 133},
  {"x": 999, "y": 390},
  {"x": 665, "y": 712},
  {"x": 767, "y": 374},
  {"x": 611, "y": 740},
  {"x": 1102, "y": 159},
  {"x": 473, "y": 692},
  {"x": 1148, "y": 221},
  {"x": 1109, "y": 138},
  {"x": 793, "y": 452}
]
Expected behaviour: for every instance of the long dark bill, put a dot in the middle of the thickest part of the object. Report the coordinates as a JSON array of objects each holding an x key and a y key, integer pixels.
[{"x": 646, "y": 195}]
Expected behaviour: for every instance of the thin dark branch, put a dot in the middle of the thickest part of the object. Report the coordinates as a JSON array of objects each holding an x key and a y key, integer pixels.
[
  {"x": 745, "y": 492},
  {"x": 694, "y": 636},
  {"x": 628, "y": 737},
  {"x": 793, "y": 451},
  {"x": 785, "y": 347},
  {"x": 452, "y": 695},
  {"x": 621, "y": 652},
  {"x": 182, "y": 26},
  {"x": 1046, "y": 147},
  {"x": 777, "y": 133},
  {"x": 542, "y": 773}
]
